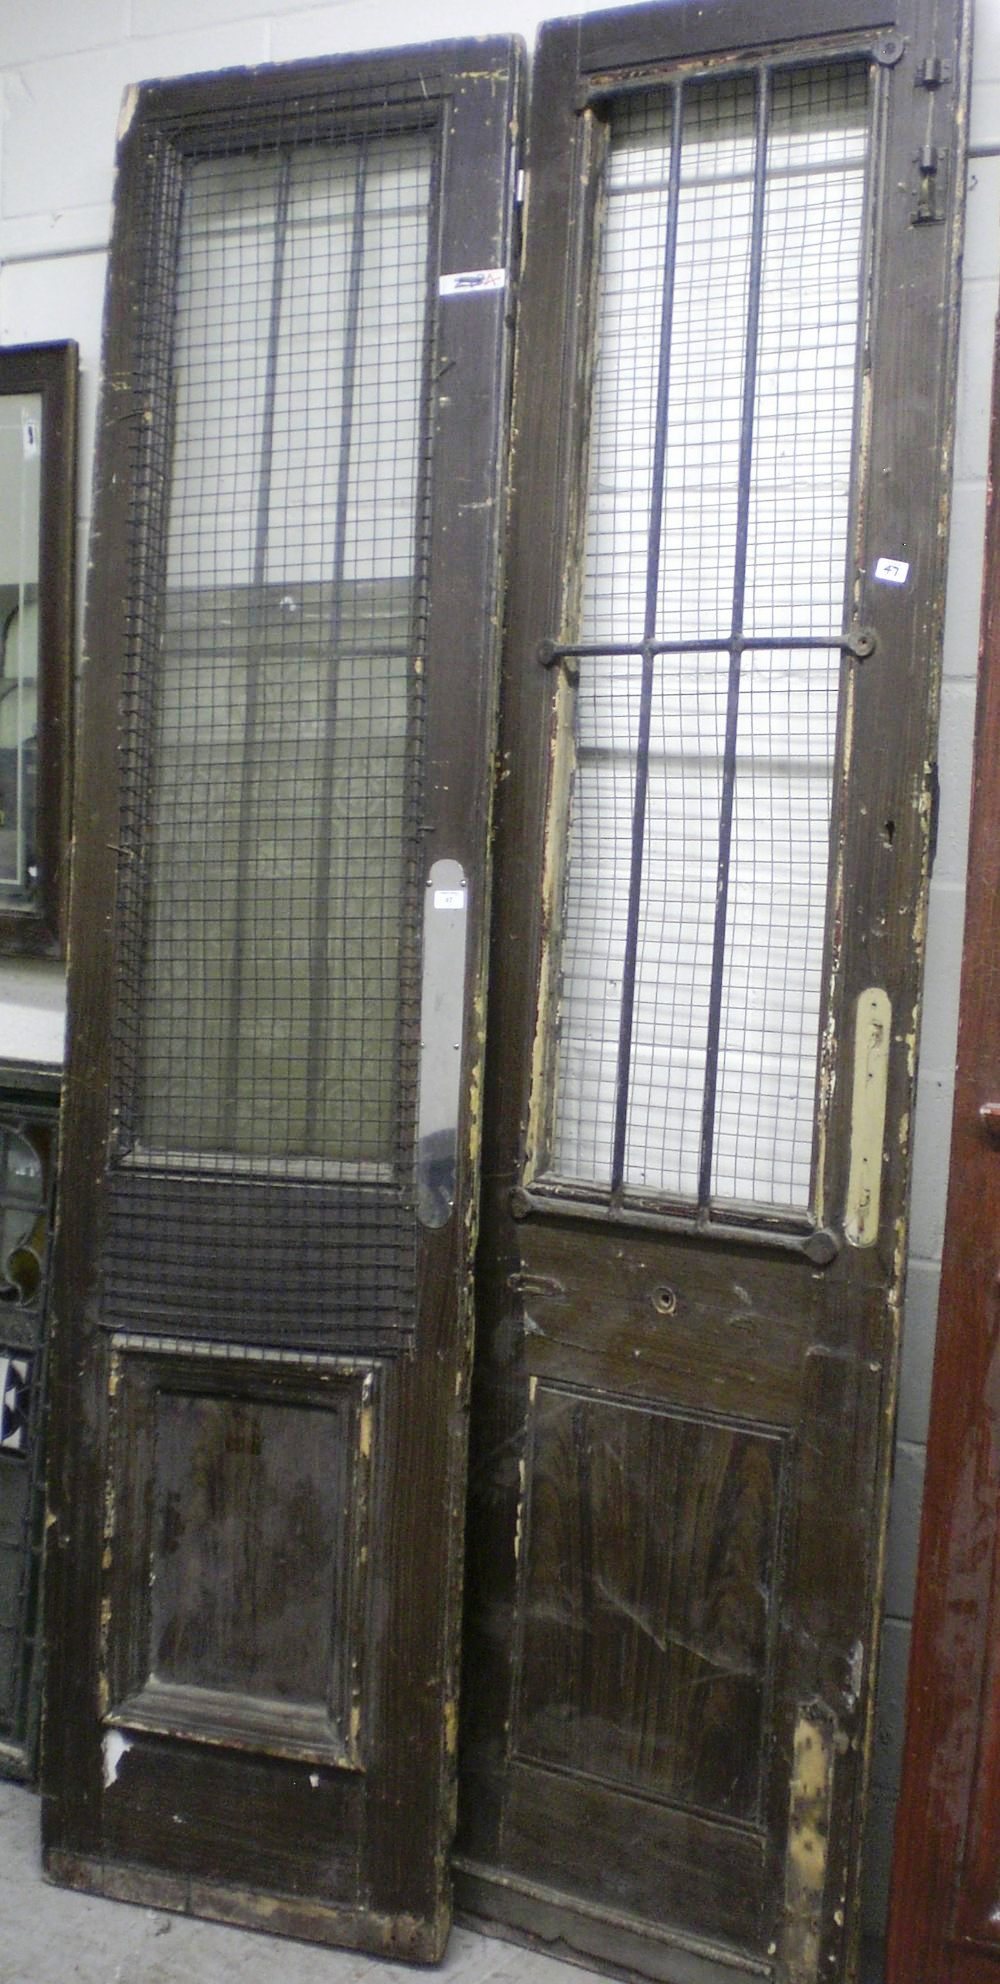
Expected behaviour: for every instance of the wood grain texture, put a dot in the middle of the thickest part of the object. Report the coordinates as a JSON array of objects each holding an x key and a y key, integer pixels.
[
  {"x": 235, "y": 1552},
  {"x": 51, "y": 370},
  {"x": 745, "y": 1336},
  {"x": 650, "y": 1544},
  {"x": 219, "y": 1824}
]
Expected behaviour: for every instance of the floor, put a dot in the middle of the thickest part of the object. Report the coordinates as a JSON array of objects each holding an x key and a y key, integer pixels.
[{"x": 49, "y": 1935}]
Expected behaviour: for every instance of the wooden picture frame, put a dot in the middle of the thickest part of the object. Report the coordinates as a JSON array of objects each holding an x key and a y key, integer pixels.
[{"x": 38, "y": 389}]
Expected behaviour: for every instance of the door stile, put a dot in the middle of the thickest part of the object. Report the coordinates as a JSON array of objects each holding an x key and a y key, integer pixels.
[
  {"x": 350, "y": 1418},
  {"x": 566, "y": 1269}
]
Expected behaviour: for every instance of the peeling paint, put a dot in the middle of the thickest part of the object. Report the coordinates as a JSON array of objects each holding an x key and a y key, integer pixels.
[
  {"x": 872, "y": 1035},
  {"x": 562, "y": 764},
  {"x": 129, "y": 106},
  {"x": 365, "y": 1432},
  {"x": 451, "y": 1725},
  {"x": 828, "y": 1042},
  {"x": 519, "y": 1524},
  {"x": 114, "y": 1747},
  {"x": 809, "y": 1805}
]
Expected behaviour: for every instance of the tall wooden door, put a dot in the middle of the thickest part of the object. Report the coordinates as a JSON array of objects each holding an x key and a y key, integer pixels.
[
  {"x": 261, "y": 1320},
  {"x": 735, "y": 348},
  {"x": 945, "y": 1911}
]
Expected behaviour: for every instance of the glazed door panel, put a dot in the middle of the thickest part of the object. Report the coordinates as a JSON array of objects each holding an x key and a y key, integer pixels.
[
  {"x": 261, "y": 1330},
  {"x": 713, "y": 864}
]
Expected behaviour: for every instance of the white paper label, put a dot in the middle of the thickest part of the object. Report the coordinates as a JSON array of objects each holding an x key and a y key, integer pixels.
[
  {"x": 472, "y": 282},
  {"x": 449, "y": 898},
  {"x": 893, "y": 571}
]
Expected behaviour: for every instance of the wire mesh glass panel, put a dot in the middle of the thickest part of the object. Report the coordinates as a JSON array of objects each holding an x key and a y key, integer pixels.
[
  {"x": 283, "y": 748},
  {"x": 717, "y": 524}
]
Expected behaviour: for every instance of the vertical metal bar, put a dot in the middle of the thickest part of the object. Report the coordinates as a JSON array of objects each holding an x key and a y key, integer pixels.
[
  {"x": 250, "y": 767},
  {"x": 655, "y": 531},
  {"x": 735, "y": 652},
  {"x": 319, "y": 935}
]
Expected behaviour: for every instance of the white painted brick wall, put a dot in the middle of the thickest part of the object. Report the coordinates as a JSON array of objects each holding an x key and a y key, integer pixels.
[{"x": 62, "y": 70}]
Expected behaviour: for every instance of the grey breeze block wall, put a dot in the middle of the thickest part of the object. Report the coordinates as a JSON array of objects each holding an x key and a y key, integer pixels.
[{"x": 62, "y": 72}]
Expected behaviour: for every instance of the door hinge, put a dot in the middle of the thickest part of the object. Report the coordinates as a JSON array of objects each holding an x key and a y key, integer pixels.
[{"x": 932, "y": 73}]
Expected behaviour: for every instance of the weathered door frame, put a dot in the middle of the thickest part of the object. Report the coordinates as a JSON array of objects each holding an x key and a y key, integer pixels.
[
  {"x": 943, "y": 1918},
  {"x": 886, "y": 850},
  {"x": 352, "y": 1848}
]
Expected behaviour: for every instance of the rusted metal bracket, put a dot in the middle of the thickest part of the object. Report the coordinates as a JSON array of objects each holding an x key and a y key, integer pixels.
[
  {"x": 861, "y": 642},
  {"x": 929, "y": 187},
  {"x": 819, "y": 1244},
  {"x": 889, "y": 50}
]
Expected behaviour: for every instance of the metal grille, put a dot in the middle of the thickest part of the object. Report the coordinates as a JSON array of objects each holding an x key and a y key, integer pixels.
[
  {"x": 269, "y": 915},
  {"x": 709, "y": 651}
]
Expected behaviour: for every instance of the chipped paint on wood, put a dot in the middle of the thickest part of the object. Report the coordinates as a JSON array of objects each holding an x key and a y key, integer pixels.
[
  {"x": 519, "y": 1522},
  {"x": 365, "y": 1431},
  {"x": 114, "y": 1747},
  {"x": 451, "y": 1725},
  {"x": 129, "y": 106},
  {"x": 809, "y": 1806},
  {"x": 592, "y": 137},
  {"x": 828, "y": 1043},
  {"x": 872, "y": 1034},
  {"x": 562, "y": 767}
]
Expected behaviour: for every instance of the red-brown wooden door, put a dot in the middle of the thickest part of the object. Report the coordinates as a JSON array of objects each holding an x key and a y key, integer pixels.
[{"x": 945, "y": 1916}]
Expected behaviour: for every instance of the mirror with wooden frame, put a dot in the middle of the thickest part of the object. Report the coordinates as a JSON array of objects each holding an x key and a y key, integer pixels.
[{"x": 37, "y": 481}]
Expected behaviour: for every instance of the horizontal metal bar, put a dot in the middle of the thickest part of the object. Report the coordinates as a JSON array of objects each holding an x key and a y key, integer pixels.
[
  {"x": 856, "y": 641},
  {"x": 822, "y": 168},
  {"x": 818, "y": 1244},
  {"x": 229, "y": 1165}
]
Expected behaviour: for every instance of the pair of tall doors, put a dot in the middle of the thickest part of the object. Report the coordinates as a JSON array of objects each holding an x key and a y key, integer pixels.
[{"x": 708, "y": 815}]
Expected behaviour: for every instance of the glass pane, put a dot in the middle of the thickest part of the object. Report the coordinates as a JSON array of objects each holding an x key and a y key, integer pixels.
[
  {"x": 20, "y": 495},
  {"x": 713, "y": 997},
  {"x": 282, "y": 759}
]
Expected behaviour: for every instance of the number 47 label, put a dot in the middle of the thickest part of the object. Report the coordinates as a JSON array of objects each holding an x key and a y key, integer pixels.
[{"x": 892, "y": 571}]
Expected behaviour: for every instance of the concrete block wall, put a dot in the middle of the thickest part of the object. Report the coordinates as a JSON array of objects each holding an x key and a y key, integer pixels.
[{"x": 62, "y": 71}]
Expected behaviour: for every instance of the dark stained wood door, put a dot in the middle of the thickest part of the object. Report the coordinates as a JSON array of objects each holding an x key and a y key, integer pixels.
[
  {"x": 945, "y": 1907},
  {"x": 262, "y": 1311},
  {"x": 735, "y": 350}
]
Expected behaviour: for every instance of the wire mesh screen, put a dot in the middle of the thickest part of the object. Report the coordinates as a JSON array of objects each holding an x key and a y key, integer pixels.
[
  {"x": 269, "y": 924},
  {"x": 709, "y": 651}
]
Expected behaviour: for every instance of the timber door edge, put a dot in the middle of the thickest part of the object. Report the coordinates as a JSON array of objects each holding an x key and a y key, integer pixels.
[{"x": 891, "y": 648}]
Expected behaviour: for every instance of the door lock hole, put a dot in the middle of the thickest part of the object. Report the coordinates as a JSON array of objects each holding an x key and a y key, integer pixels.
[{"x": 664, "y": 1299}]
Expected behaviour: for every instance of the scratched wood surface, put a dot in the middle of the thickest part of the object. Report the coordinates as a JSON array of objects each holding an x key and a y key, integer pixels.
[
  {"x": 636, "y": 1382},
  {"x": 253, "y": 1576}
]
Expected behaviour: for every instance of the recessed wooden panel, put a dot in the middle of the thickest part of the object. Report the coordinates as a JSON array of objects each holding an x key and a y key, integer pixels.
[
  {"x": 649, "y": 1579},
  {"x": 655, "y": 1858},
  {"x": 242, "y": 1629}
]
